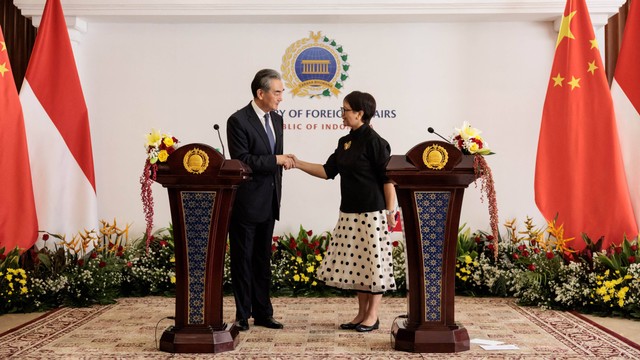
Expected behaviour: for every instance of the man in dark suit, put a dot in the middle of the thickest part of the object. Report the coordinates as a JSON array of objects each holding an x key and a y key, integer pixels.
[{"x": 254, "y": 135}]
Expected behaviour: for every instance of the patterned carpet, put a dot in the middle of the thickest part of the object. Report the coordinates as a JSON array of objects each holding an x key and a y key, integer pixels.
[{"x": 129, "y": 329}]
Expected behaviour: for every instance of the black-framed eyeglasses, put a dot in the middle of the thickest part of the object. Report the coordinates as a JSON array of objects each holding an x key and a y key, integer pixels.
[{"x": 346, "y": 110}]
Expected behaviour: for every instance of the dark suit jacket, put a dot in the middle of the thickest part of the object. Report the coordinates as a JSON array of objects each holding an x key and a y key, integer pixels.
[{"x": 259, "y": 198}]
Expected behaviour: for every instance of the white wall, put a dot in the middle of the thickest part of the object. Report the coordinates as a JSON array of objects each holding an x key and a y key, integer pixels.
[{"x": 183, "y": 78}]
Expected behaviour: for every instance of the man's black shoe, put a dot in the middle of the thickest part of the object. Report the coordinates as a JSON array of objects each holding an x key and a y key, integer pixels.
[
  {"x": 269, "y": 322},
  {"x": 242, "y": 325}
]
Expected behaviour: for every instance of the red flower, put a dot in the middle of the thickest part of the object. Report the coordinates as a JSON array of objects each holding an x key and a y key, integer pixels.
[
  {"x": 310, "y": 232},
  {"x": 3, "y": 256},
  {"x": 525, "y": 253},
  {"x": 273, "y": 248},
  {"x": 489, "y": 237},
  {"x": 478, "y": 239},
  {"x": 45, "y": 237},
  {"x": 532, "y": 267},
  {"x": 536, "y": 250},
  {"x": 316, "y": 244},
  {"x": 317, "y": 252},
  {"x": 515, "y": 256},
  {"x": 163, "y": 243},
  {"x": 275, "y": 238},
  {"x": 533, "y": 242},
  {"x": 521, "y": 247},
  {"x": 80, "y": 262},
  {"x": 549, "y": 255},
  {"x": 491, "y": 247},
  {"x": 298, "y": 253},
  {"x": 292, "y": 244},
  {"x": 395, "y": 243},
  {"x": 632, "y": 259},
  {"x": 120, "y": 248},
  {"x": 119, "y": 254},
  {"x": 93, "y": 255},
  {"x": 634, "y": 247},
  {"x": 102, "y": 264},
  {"x": 129, "y": 264},
  {"x": 618, "y": 249}
]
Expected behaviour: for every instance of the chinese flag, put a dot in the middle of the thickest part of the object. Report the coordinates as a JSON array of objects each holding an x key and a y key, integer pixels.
[
  {"x": 58, "y": 135},
  {"x": 625, "y": 91},
  {"x": 18, "y": 222},
  {"x": 579, "y": 171}
]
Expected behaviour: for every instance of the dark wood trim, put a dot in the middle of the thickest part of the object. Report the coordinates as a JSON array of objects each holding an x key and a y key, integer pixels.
[
  {"x": 20, "y": 35},
  {"x": 613, "y": 38}
]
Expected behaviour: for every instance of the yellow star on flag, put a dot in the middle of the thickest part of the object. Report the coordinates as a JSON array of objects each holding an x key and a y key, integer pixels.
[
  {"x": 4, "y": 46},
  {"x": 574, "y": 82},
  {"x": 557, "y": 81},
  {"x": 565, "y": 28},
  {"x": 594, "y": 43},
  {"x": 3, "y": 69},
  {"x": 592, "y": 67}
]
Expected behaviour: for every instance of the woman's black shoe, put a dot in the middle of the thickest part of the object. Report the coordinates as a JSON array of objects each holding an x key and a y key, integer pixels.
[
  {"x": 365, "y": 328},
  {"x": 348, "y": 326}
]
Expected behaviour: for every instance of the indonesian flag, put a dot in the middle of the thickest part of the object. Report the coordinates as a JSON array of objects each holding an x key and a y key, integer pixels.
[
  {"x": 625, "y": 91},
  {"x": 58, "y": 134},
  {"x": 579, "y": 170},
  {"x": 18, "y": 222}
]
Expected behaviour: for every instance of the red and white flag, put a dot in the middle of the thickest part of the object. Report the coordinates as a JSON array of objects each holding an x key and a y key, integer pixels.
[
  {"x": 625, "y": 91},
  {"x": 18, "y": 222},
  {"x": 579, "y": 170},
  {"x": 58, "y": 135}
]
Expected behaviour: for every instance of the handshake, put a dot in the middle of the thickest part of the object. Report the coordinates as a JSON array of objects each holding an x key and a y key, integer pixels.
[{"x": 288, "y": 161}]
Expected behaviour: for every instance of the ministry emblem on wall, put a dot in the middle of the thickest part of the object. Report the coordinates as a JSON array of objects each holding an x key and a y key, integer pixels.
[{"x": 315, "y": 67}]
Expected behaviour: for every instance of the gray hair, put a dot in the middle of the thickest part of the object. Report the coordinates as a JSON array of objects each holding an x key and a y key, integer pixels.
[{"x": 262, "y": 80}]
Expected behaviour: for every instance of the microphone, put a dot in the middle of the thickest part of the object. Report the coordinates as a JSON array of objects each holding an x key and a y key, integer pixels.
[
  {"x": 217, "y": 129},
  {"x": 430, "y": 129}
]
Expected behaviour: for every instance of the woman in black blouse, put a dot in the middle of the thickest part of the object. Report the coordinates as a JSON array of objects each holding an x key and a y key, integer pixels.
[{"x": 359, "y": 256}]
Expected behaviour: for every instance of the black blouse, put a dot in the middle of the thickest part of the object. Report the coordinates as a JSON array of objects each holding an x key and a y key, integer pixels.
[{"x": 360, "y": 159}]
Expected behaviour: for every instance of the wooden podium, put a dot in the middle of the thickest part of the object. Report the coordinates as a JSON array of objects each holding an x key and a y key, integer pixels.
[
  {"x": 430, "y": 182},
  {"x": 202, "y": 187}
]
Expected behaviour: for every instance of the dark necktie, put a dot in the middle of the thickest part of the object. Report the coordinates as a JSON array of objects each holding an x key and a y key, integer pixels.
[{"x": 272, "y": 139}]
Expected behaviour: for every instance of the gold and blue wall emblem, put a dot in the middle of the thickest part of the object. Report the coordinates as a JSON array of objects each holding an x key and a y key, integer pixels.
[{"x": 315, "y": 67}]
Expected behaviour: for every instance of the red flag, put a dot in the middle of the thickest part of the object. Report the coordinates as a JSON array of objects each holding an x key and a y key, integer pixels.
[
  {"x": 579, "y": 170},
  {"x": 58, "y": 135},
  {"x": 625, "y": 91},
  {"x": 18, "y": 222}
]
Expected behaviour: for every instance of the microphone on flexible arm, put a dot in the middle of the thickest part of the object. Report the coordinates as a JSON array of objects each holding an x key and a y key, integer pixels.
[
  {"x": 430, "y": 129},
  {"x": 217, "y": 129}
]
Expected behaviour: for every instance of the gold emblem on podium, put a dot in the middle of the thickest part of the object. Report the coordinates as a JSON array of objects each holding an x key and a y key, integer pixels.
[
  {"x": 435, "y": 157},
  {"x": 196, "y": 161}
]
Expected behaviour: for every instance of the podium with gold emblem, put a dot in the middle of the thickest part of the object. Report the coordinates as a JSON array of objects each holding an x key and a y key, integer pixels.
[
  {"x": 430, "y": 181},
  {"x": 201, "y": 186}
]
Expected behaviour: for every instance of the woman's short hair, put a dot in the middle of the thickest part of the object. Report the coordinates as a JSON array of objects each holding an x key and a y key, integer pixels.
[{"x": 362, "y": 101}]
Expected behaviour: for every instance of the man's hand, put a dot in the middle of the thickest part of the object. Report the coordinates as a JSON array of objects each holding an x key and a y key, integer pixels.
[{"x": 287, "y": 161}]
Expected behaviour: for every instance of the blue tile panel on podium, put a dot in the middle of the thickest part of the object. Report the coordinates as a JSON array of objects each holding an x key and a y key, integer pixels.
[
  {"x": 432, "y": 207},
  {"x": 197, "y": 208}
]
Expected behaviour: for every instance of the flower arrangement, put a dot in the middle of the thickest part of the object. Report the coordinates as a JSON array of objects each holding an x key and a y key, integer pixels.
[
  {"x": 469, "y": 141},
  {"x": 158, "y": 146},
  {"x": 535, "y": 265}
]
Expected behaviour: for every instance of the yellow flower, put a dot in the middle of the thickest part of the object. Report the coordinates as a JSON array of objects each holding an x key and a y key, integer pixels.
[
  {"x": 173, "y": 259},
  {"x": 153, "y": 138},
  {"x": 310, "y": 269},
  {"x": 24, "y": 290},
  {"x": 314, "y": 283},
  {"x": 467, "y": 259},
  {"x": 621, "y": 302},
  {"x": 318, "y": 257},
  {"x": 168, "y": 140},
  {"x": 163, "y": 155},
  {"x": 299, "y": 260},
  {"x": 173, "y": 279},
  {"x": 467, "y": 131},
  {"x": 296, "y": 277},
  {"x": 9, "y": 277}
]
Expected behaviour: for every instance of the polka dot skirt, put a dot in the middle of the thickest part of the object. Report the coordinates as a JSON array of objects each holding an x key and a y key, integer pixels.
[{"x": 359, "y": 256}]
